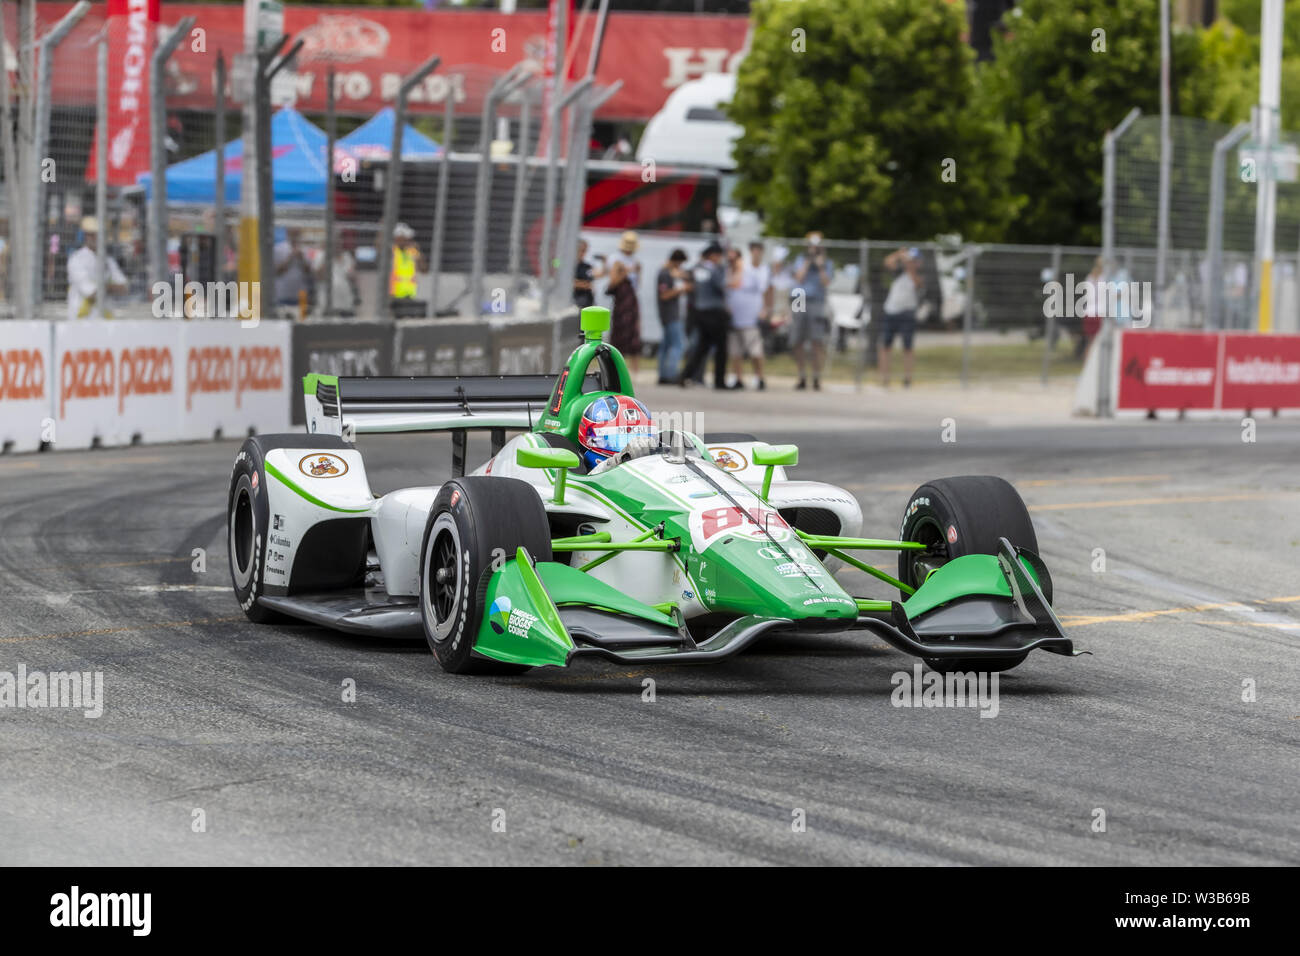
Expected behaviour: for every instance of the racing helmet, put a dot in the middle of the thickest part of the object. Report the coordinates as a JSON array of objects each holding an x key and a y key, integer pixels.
[{"x": 609, "y": 423}]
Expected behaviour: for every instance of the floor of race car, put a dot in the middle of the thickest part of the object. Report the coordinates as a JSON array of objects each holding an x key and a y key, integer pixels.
[{"x": 1174, "y": 548}]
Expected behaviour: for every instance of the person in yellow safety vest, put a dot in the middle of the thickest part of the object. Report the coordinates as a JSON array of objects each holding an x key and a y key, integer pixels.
[{"x": 406, "y": 259}]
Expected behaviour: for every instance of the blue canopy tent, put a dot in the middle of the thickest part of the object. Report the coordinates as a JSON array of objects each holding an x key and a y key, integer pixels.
[
  {"x": 298, "y": 167},
  {"x": 373, "y": 139}
]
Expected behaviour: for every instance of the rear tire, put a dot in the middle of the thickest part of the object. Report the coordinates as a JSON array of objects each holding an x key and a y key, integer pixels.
[
  {"x": 960, "y": 516},
  {"x": 248, "y": 517},
  {"x": 474, "y": 522}
]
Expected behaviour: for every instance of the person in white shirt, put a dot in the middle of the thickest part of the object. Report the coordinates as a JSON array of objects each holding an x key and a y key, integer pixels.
[
  {"x": 626, "y": 256},
  {"x": 900, "y": 310},
  {"x": 749, "y": 297},
  {"x": 83, "y": 276}
]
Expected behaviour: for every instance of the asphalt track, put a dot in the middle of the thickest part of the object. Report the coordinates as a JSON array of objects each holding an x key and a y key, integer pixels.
[{"x": 205, "y": 711}]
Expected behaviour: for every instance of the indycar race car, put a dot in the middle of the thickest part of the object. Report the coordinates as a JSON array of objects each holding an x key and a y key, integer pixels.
[{"x": 595, "y": 532}]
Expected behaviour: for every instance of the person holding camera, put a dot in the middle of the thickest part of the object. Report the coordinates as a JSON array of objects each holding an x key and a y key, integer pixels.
[
  {"x": 900, "y": 310},
  {"x": 809, "y": 315}
]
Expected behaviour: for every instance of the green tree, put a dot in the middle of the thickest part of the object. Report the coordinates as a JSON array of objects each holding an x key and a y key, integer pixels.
[
  {"x": 1064, "y": 73},
  {"x": 850, "y": 109}
]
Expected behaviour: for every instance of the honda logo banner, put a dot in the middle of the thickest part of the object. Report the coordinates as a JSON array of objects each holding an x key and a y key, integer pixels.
[
  {"x": 25, "y": 385},
  {"x": 132, "y": 25}
]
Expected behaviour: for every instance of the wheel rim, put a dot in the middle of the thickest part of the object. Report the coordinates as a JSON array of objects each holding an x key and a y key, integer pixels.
[
  {"x": 926, "y": 531},
  {"x": 242, "y": 535},
  {"x": 444, "y": 574}
]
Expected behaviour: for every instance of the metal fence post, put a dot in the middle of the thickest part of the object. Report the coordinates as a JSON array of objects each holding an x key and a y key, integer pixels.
[
  {"x": 219, "y": 203},
  {"x": 158, "y": 152},
  {"x": 1050, "y": 332},
  {"x": 440, "y": 210},
  {"x": 331, "y": 140},
  {"x": 101, "y": 168},
  {"x": 521, "y": 188},
  {"x": 554, "y": 112},
  {"x": 1214, "y": 225},
  {"x": 267, "y": 67},
  {"x": 393, "y": 192},
  {"x": 40, "y": 139},
  {"x": 1108, "y": 185},
  {"x": 503, "y": 87},
  {"x": 968, "y": 317},
  {"x": 575, "y": 188}
]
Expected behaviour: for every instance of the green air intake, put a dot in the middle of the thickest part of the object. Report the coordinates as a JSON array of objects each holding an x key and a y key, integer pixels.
[{"x": 594, "y": 322}]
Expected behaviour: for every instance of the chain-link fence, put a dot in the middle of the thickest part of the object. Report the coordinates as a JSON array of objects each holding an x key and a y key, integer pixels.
[{"x": 1210, "y": 267}]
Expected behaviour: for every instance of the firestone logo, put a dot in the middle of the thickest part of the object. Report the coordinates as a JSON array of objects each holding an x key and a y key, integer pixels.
[{"x": 22, "y": 375}]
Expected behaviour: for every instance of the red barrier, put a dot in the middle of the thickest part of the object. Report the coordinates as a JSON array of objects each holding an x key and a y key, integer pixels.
[{"x": 1159, "y": 370}]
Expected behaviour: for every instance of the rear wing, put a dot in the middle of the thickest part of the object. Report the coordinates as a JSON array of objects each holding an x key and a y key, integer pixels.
[{"x": 455, "y": 403}]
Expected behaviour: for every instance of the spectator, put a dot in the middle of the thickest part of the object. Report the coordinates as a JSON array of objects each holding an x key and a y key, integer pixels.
[
  {"x": 672, "y": 287},
  {"x": 709, "y": 295},
  {"x": 749, "y": 297},
  {"x": 900, "y": 310},
  {"x": 627, "y": 247},
  {"x": 782, "y": 281},
  {"x": 293, "y": 280},
  {"x": 406, "y": 262},
  {"x": 83, "y": 276},
  {"x": 809, "y": 318},
  {"x": 625, "y": 324},
  {"x": 583, "y": 277},
  {"x": 343, "y": 279}
]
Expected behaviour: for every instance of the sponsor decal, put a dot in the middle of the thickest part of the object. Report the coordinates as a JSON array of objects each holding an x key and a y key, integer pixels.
[
  {"x": 277, "y": 522},
  {"x": 146, "y": 370},
  {"x": 455, "y": 497},
  {"x": 320, "y": 465},
  {"x": 679, "y": 479},
  {"x": 952, "y": 534},
  {"x": 826, "y": 599},
  {"x": 86, "y": 374},
  {"x": 704, "y": 494},
  {"x": 505, "y": 618},
  {"x": 344, "y": 39},
  {"x": 254, "y": 481},
  {"x": 729, "y": 459},
  {"x": 794, "y": 569},
  {"x": 22, "y": 375},
  {"x": 688, "y": 595},
  {"x": 558, "y": 400},
  {"x": 755, "y": 522}
]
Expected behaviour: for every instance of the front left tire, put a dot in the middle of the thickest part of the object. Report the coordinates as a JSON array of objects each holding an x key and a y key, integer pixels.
[{"x": 475, "y": 523}]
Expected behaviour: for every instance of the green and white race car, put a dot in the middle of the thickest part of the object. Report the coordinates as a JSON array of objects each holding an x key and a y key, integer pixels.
[{"x": 679, "y": 548}]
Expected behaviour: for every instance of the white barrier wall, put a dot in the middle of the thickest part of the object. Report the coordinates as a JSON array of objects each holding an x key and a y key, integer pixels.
[
  {"x": 26, "y": 384},
  {"x": 114, "y": 382}
]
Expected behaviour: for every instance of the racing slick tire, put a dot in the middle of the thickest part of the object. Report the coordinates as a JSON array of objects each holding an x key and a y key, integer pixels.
[
  {"x": 248, "y": 517},
  {"x": 474, "y": 521},
  {"x": 960, "y": 516}
]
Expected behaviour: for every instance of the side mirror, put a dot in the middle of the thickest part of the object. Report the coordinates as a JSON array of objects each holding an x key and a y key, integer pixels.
[
  {"x": 775, "y": 454},
  {"x": 559, "y": 458},
  {"x": 771, "y": 456}
]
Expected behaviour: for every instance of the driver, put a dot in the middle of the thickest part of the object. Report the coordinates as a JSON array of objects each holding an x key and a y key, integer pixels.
[{"x": 610, "y": 424}]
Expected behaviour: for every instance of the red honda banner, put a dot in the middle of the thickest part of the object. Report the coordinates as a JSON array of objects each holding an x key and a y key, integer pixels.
[
  {"x": 1160, "y": 370},
  {"x": 132, "y": 25},
  {"x": 372, "y": 48}
]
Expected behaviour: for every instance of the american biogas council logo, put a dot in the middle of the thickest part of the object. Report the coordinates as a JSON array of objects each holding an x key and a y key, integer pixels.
[
  {"x": 319, "y": 465},
  {"x": 505, "y": 618}
]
